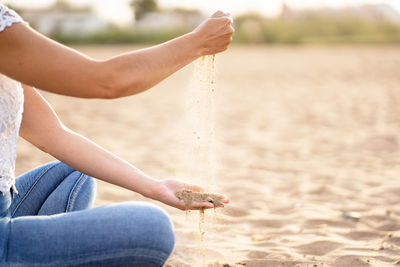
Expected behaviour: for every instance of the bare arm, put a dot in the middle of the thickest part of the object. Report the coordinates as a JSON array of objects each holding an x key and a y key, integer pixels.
[
  {"x": 41, "y": 127},
  {"x": 33, "y": 59}
]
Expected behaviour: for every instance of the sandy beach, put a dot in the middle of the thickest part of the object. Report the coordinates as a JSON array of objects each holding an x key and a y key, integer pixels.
[{"x": 306, "y": 147}]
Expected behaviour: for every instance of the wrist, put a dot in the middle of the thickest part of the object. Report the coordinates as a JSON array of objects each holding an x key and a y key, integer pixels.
[
  {"x": 196, "y": 44},
  {"x": 151, "y": 188}
]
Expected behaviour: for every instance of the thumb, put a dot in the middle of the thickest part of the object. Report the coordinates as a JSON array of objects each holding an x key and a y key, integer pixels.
[
  {"x": 219, "y": 14},
  {"x": 195, "y": 188}
]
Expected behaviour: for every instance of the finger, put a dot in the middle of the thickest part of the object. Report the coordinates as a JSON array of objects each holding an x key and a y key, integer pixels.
[
  {"x": 227, "y": 31},
  {"x": 201, "y": 208},
  {"x": 202, "y": 205},
  {"x": 218, "y": 14},
  {"x": 230, "y": 19},
  {"x": 207, "y": 205},
  {"x": 195, "y": 207},
  {"x": 221, "y": 14},
  {"x": 180, "y": 204},
  {"x": 225, "y": 20}
]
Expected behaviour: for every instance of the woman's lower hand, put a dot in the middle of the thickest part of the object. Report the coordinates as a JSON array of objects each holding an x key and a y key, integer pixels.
[
  {"x": 215, "y": 34},
  {"x": 165, "y": 192}
]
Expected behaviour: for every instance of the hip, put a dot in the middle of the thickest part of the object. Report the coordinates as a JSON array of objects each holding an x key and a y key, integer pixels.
[{"x": 5, "y": 202}]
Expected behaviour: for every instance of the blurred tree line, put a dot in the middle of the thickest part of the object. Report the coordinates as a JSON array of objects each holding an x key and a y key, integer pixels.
[
  {"x": 141, "y": 7},
  {"x": 311, "y": 27},
  {"x": 315, "y": 29}
]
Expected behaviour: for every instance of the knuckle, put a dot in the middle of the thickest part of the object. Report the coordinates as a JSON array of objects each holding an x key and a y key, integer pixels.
[
  {"x": 217, "y": 14},
  {"x": 227, "y": 20}
]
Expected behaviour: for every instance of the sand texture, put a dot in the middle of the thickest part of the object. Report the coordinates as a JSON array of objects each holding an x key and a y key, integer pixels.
[
  {"x": 306, "y": 148},
  {"x": 188, "y": 196}
]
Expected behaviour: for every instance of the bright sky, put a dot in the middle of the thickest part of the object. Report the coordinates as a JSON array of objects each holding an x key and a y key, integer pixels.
[{"x": 115, "y": 10}]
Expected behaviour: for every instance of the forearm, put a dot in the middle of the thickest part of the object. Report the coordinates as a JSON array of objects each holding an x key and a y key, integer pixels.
[
  {"x": 35, "y": 60},
  {"x": 93, "y": 160},
  {"x": 42, "y": 128},
  {"x": 65, "y": 71},
  {"x": 140, "y": 70}
]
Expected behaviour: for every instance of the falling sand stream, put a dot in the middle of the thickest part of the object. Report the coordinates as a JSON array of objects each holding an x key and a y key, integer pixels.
[
  {"x": 205, "y": 72},
  {"x": 202, "y": 151},
  {"x": 205, "y": 76}
]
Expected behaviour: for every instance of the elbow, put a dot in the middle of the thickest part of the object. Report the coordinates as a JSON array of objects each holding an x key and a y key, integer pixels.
[
  {"x": 113, "y": 83},
  {"x": 44, "y": 148},
  {"x": 116, "y": 90},
  {"x": 111, "y": 90}
]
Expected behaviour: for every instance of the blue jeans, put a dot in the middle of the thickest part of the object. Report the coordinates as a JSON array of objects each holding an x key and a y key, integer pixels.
[{"x": 50, "y": 223}]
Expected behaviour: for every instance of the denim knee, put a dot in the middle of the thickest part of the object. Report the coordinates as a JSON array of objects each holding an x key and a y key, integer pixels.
[
  {"x": 157, "y": 226},
  {"x": 83, "y": 193},
  {"x": 166, "y": 226},
  {"x": 88, "y": 183}
]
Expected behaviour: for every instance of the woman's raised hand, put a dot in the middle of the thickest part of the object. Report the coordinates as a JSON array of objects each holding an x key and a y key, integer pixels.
[{"x": 215, "y": 34}]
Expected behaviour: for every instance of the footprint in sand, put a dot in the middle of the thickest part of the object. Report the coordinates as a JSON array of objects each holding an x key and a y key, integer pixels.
[
  {"x": 395, "y": 240},
  {"x": 389, "y": 226},
  {"x": 267, "y": 263},
  {"x": 257, "y": 254},
  {"x": 270, "y": 223},
  {"x": 313, "y": 223},
  {"x": 350, "y": 261},
  {"x": 236, "y": 212},
  {"x": 363, "y": 235},
  {"x": 318, "y": 248}
]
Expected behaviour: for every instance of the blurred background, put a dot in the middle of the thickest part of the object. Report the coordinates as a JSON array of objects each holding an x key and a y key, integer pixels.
[
  {"x": 306, "y": 130},
  {"x": 257, "y": 22}
]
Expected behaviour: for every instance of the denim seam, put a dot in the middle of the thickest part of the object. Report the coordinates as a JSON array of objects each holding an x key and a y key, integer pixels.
[
  {"x": 90, "y": 258},
  {"x": 8, "y": 241},
  {"x": 33, "y": 185},
  {"x": 74, "y": 190}
]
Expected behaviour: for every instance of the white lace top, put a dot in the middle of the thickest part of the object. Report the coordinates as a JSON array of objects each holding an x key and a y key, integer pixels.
[{"x": 11, "y": 107}]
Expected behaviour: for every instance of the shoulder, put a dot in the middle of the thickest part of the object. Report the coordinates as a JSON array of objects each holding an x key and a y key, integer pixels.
[{"x": 8, "y": 17}]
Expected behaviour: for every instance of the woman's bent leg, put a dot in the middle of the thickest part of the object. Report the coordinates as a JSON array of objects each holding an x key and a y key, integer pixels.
[
  {"x": 125, "y": 234},
  {"x": 75, "y": 192},
  {"x": 52, "y": 188}
]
